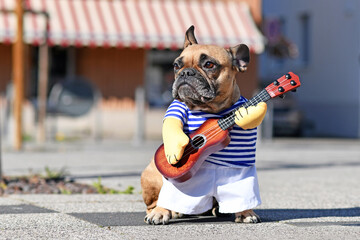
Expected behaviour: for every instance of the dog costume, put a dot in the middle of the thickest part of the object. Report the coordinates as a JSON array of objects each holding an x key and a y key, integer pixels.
[{"x": 228, "y": 175}]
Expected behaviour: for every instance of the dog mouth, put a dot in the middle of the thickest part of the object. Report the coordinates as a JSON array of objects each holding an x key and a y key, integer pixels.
[{"x": 194, "y": 90}]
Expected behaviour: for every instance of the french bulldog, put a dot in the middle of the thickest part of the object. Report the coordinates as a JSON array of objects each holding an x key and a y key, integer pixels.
[{"x": 204, "y": 81}]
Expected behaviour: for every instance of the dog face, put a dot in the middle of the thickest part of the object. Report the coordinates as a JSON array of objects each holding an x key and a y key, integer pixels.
[{"x": 205, "y": 74}]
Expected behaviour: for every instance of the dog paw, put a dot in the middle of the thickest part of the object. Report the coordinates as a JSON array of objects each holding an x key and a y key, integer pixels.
[
  {"x": 158, "y": 216},
  {"x": 247, "y": 216},
  {"x": 175, "y": 215}
]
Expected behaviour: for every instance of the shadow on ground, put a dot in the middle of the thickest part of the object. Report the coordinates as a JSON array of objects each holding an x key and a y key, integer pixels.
[
  {"x": 271, "y": 215},
  {"x": 273, "y": 165},
  {"x": 267, "y": 215}
]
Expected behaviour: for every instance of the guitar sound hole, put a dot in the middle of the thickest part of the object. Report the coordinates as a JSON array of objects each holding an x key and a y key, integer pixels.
[{"x": 198, "y": 141}]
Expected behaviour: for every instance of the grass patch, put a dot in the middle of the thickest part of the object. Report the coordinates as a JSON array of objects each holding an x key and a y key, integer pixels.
[
  {"x": 55, "y": 174},
  {"x": 53, "y": 182},
  {"x": 104, "y": 190}
]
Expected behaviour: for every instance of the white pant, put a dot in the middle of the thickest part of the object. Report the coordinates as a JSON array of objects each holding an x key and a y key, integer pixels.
[{"x": 235, "y": 189}]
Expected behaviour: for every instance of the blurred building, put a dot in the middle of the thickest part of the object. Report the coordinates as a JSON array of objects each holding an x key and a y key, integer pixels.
[
  {"x": 320, "y": 41},
  {"x": 119, "y": 45}
]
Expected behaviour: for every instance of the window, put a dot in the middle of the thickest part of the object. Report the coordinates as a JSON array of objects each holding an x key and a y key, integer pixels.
[{"x": 57, "y": 67}]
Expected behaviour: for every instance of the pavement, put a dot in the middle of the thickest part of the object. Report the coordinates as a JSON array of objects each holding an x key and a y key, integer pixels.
[{"x": 309, "y": 189}]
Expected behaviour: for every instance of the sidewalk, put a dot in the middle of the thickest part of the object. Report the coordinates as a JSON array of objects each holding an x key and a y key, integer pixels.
[{"x": 309, "y": 189}]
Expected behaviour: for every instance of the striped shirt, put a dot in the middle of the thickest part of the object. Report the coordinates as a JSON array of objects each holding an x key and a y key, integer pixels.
[{"x": 241, "y": 150}]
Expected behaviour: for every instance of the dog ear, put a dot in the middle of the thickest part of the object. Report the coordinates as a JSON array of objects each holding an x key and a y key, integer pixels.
[
  {"x": 240, "y": 57},
  {"x": 190, "y": 37}
]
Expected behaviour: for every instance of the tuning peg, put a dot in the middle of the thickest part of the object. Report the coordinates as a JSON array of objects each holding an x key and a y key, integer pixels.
[
  {"x": 282, "y": 96},
  {"x": 294, "y": 90},
  {"x": 281, "y": 89},
  {"x": 288, "y": 76},
  {"x": 293, "y": 83},
  {"x": 276, "y": 83}
]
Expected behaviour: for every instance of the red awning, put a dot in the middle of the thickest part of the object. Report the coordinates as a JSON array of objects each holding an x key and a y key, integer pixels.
[{"x": 134, "y": 23}]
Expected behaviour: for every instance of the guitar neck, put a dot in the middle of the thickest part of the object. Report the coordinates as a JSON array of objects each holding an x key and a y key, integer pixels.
[
  {"x": 288, "y": 82},
  {"x": 229, "y": 120}
]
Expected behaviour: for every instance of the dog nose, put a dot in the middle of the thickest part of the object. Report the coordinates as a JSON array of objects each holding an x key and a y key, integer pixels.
[{"x": 188, "y": 72}]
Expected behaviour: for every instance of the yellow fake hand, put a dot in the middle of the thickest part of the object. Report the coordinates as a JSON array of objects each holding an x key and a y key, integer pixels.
[
  {"x": 175, "y": 140},
  {"x": 250, "y": 117}
]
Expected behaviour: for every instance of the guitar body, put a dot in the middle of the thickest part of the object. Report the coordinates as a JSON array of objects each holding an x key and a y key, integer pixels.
[{"x": 207, "y": 139}]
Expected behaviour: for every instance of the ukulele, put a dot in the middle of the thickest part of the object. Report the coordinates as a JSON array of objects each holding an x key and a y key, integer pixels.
[{"x": 213, "y": 134}]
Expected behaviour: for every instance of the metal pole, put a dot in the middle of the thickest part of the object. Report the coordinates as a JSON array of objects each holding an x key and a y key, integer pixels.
[
  {"x": 18, "y": 74},
  {"x": 43, "y": 84},
  {"x": 42, "y": 91},
  {"x": 139, "y": 135}
]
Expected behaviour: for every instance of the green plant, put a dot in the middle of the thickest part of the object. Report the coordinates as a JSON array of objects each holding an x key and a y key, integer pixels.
[
  {"x": 99, "y": 187},
  {"x": 65, "y": 191},
  {"x": 104, "y": 190},
  {"x": 27, "y": 137},
  {"x": 129, "y": 190},
  {"x": 55, "y": 174}
]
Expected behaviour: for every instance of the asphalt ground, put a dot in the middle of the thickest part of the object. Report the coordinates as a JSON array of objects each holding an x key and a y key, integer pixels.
[{"x": 309, "y": 189}]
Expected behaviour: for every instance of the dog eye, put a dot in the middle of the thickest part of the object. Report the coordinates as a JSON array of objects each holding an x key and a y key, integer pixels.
[
  {"x": 209, "y": 65},
  {"x": 176, "y": 66}
]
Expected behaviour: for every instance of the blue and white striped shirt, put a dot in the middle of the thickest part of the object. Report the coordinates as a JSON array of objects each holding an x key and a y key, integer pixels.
[{"x": 241, "y": 150}]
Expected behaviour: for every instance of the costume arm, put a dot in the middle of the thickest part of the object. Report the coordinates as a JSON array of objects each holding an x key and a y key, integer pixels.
[
  {"x": 175, "y": 140},
  {"x": 250, "y": 117}
]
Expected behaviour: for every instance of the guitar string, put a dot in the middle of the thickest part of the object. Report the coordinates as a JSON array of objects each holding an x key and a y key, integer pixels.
[
  {"x": 197, "y": 143},
  {"x": 262, "y": 97}
]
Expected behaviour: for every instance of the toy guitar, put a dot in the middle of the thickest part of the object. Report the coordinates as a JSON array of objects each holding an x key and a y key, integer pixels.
[{"x": 213, "y": 134}]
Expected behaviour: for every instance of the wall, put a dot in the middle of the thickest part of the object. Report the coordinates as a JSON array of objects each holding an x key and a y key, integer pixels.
[
  {"x": 5, "y": 66},
  {"x": 330, "y": 92},
  {"x": 116, "y": 72},
  {"x": 249, "y": 81}
]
